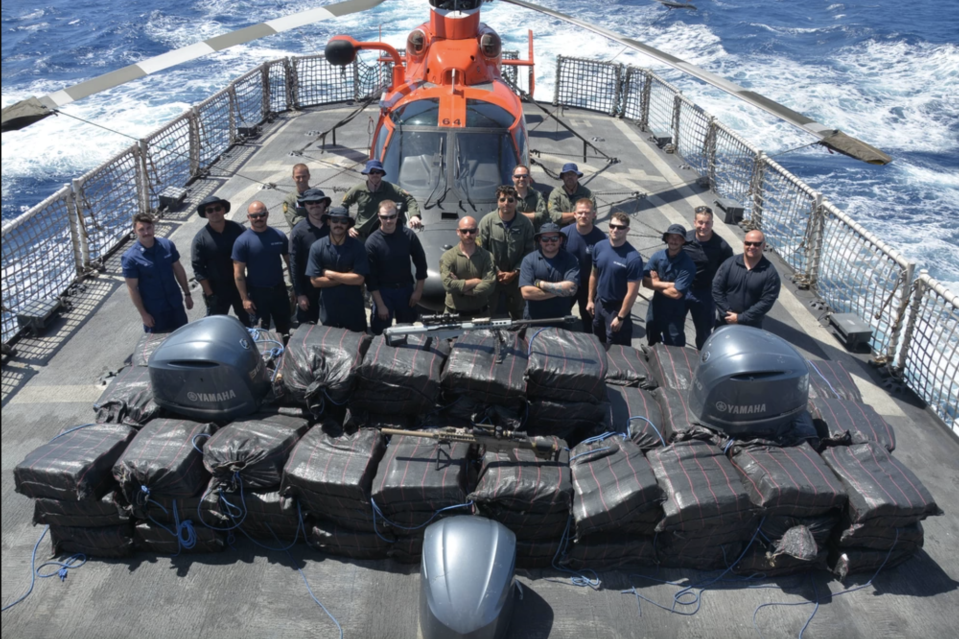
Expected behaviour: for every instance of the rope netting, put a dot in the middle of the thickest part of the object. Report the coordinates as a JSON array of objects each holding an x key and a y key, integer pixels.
[
  {"x": 588, "y": 84},
  {"x": 107, "y": 198},
  {"x": 170, "y": 156},
  {"x": 248, "y": 89},
  {"x": 216, "y": 125},
  {"x": 787, "y": 215}
]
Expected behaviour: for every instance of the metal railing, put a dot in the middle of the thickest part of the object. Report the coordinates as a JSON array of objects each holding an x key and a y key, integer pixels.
[{"x": 915, "y": 320}]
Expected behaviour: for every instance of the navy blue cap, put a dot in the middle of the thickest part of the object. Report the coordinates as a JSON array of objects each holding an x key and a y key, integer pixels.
[
  {"x": 373, "y": 165},
  {"x": 676, "y": 229},
  {"x": 313, "y": 195},
  {"x": 338, "y": 212},
  {"x": 211, "y": 199},
  {"x": 571, "y": 167}
]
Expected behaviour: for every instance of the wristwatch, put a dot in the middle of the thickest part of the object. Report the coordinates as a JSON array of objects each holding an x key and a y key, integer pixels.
[{"x": 621, "y": 318}]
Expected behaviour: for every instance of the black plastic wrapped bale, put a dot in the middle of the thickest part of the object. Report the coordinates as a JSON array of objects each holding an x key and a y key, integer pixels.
[
  {"x": 406, "y": 550},
  {"x": 614, "y": 487},
  {"x": 711, "y": 557},
  {"x": 610, "y": 551},
  {"x": 840, "y": 422},
  {"x": 775, "y": 527},
  {"x": 831, "y": 379},
  {"x": 849, "y": 561},
  {"x": 162, "y": 460},
  {"x": 75, "y": 465},
  {"x": 320, "y": 362},
  {"x": 253, "y": 451},
  {"x": 908, "y": 538},
  {"x": 90, "y": 513},
  {"x": 674, "y": 405},
  {"x": 572, "y": 421},
  {"x": 330, "y": 538},
  {"x": 357, "y": 418},
  {"x": 402, "y": 379},
  {"x": 128, "y": 399},
  {"x": 525, "y": 524},
  {"x": 881, "y": 490},
  {"x": 167, "y": 510},
  {"x": 488, "y": 367},
  {"x": 697, "y": 542},
  {"x": 801, "y": 430},
  {"x": 628, "y": 367},
  {"x": 566, "y": 367},
  {"x": 108, "y": 542},
  {"x": 517, "y": 480},
  {"x": 636, "y": 412},
  {"x": 673, "y": 366},
  {"x": 539, "y": 553},
  {"x": 759, "y": 559},
  {"x": 789, "y": 481},
  {"x": 268, "y": 515},
  {"x": 147, "y": 343},
  {"x": 150, "y": 537},
  {"x": 702, "y": 488}
]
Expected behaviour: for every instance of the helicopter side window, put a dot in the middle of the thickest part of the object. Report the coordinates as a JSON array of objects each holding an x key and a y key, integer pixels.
[{"x": 418, "y": 113}]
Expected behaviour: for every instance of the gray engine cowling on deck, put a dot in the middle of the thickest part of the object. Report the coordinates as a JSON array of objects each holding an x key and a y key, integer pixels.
[
  {"x": 209, "y": 370},
  {"x": 750, "y": 383}
]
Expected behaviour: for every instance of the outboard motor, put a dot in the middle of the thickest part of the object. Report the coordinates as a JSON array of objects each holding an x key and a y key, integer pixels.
[
  {"x": 466, "y": 579},
  {"x": 749, "y": 383},
  {"x": 209, "y": 370}
]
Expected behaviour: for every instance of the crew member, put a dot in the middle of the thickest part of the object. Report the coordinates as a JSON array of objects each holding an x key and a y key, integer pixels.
[
  {"x": 529, "y": 201},
  {"x": 563, "y": 198},
  {"x": 338, "y": 266},
  {"x": 614, "y": 284},
  {"x": 304, "y": 234},
  {"x": 391, "y": 284},
  {"x": 258, "y": 257},
  {"x": 212, "y": 253},
  {"x": 581, "y": 238},
  {"x": 155, "y": 279},
  {"x": 549, "y": 277},
  {"x": 293, "y": 211},
  {"x": 746, "y": 286},
  {"x": 509, "y": 237},
  {"x": 468, "y": 274},
  {"x": 707, "y": 251},
  {"x": 368, "y": 196},
  {"x": 669, "y": 274}
]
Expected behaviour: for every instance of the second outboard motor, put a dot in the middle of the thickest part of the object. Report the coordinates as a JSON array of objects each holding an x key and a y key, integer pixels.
[
  {"x": 466, "y": 579},
  {"x": 749, "y": 383},
  {"x": 209, "y": 370}
]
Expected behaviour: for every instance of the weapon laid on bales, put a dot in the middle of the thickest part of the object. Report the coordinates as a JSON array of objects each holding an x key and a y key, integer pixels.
[
  {"x": 494, "y": 439},
  {"x": 447, "y": 326}
]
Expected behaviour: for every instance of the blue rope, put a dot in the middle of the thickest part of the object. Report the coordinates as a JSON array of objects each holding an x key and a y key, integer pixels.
[
  {"x": 579, "y": 578},
  {"x": 310, "y": 590},
  {"x": 728, "y": 444},
  {"x": 379, "y": 513},
  {"x": 193, "y": 441},
  {"x": 661, "y": 438},
  {"x": 33, "y": 574},
  {"x": 299, "y": 526},
  {"x": 240, "y": 510},
  {"x": 73, "y": 561},
  {"x": 529, "y": 350},
  {"x": 332, "y": 401},
  {"x": 184, "y": 532},
  {"x": 70, "y": 430}
]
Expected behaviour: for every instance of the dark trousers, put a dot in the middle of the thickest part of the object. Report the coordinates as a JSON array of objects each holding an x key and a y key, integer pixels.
[
  {"x": 167, "y": 319},
  {"x": 312, "y": 314},
  {"x": 506, "y": 298},
  {"x": 606, "y": 312},
  {"x": 700, "y": 304},
  {"x": 397, "y": 302},
  {"x": 222, "y": 300},
  {"x": 666, "y": 323},
  {"x": 582, "y": 298},
  {"x": 271, "y": 303}
]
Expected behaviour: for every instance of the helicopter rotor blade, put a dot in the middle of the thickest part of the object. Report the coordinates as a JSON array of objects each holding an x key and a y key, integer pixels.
[{"x": 833, "y": 139}]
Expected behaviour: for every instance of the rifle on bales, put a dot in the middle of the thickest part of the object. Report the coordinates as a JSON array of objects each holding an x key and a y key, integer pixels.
[
  {"x": 493, "y": 439},
  {"x": 447, "y": 326}
]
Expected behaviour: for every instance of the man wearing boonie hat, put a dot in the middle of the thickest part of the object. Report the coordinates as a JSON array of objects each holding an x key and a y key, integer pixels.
[
  {"x": 549, "y": 277},
  {"x": 212, "y": 258},
  {"x": 338, "y": 267},
  {"x": 370, "y": 194},
  {"x": 562, "y": 200},
  {"x": 669, "y": 274},
  {"x": 304, "y": 234}
]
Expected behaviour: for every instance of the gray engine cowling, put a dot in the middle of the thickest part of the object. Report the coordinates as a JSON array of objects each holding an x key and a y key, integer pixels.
[
  {"x": 209, "y": 370},
  {"x": 749, "y": 383}
]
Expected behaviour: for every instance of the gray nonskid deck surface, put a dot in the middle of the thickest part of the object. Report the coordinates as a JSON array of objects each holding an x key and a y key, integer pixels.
[{"x": 251, "y": 592}]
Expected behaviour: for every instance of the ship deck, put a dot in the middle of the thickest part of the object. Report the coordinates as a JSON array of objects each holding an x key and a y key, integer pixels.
[{"x": 52, "y": 381}]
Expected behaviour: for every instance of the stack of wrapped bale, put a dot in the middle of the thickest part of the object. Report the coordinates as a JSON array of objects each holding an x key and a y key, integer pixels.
[
  {"x": 76, "y": 495},
  {"x": 530, "y": 496},
  {"x": 673, "y": 367},
  {"x": 330, "y": 475},
  {"x": 796, "y": 493},
  {"x": 246, "y": 459},
  {"x": 708, "y": 515},
  {"x": 840, "y": 422},
  {"x": 830, "y": 379},
  {"x": 165, "y": 462},
  {"x": 628, "y": 367},
  {"x": 565, "y": 385},
  {"x": 418, "y": 481},
  {"x": 318, "y": 367},
  {"x": 128, "y": 399},
  {"x": 636, "y": 412},
  {"x": 886, "y": 503},
  {"x": 146, "y": 345},
  {"x": 616, "y": 505}
]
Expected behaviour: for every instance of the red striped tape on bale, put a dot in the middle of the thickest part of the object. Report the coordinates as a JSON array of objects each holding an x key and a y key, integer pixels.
[
  {"x": 828, "y": 378},
  {"x": 518, "y": 480},
  {"x": 627, "y": 367},
  {"x": 402, "y": 379},
  {"x": 673, "y": 366},
  {"x": 333, "y": 467},
  {"x": 844, "y": 422},
  {"x": 626, "y": 406},
  {"x": 319, "y": 363},
  {"x": 421, "y": 474},
  {"x": 108, "y": 542},
  {"x": 488, "y": 367},
  {"x": 128, "y": 399},
  {"x": 566, "y": 367},
  {"x": 89, "y": 513}
]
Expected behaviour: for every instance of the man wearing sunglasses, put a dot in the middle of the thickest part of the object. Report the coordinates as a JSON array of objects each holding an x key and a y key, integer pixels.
[
  {"x": 746, "y": 286},
  {"x": 509, "y": 237},
  {"x": 529, "y": 201},
  {"x": 564, "y": 197},
  {"x": 708, "y": 251},
  {"x": 669, "y": 274},
  {"x": 338, "y": 266},
  {"x": 549, "y": 277},
  {"x": 258, "y": 258},
  {"x": 390, "y": 249},
  {"x": 468, "y": 274},
  {"x": 212, "y": 252},
  {"x": 368, "y": 196},
  {"x": 306, "y": 232},
  {"x": 614, "y": 284}
]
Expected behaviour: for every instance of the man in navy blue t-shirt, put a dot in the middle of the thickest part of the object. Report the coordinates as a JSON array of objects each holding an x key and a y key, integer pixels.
[
  {"x": 669, "y": 274},
  {"x": 549, "y": 277},
  {"x": 338, "y": 266},
  {"x": 581, "y": 238},
  {"x": 614, "y": 284},
  {"x": 258, "y": 258}
]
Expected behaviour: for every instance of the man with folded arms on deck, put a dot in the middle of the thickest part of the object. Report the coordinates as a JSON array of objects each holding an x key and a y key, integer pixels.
[
  {"x": 529, "y": 201},
  {"x": 564, "y": 197},
  {"x": 468, "y": 274},
  {"x": 370, "y": 194},
  {"x": 509, "y": 237},
  {"x": 614, "y": 284},
  {"x": 306, "y": 232},
  {"x": 155, "y": 279},
  {"x": 669, "y": 274},
  {"x": 708, "y": 251},
  {"x": 212, "y": 253},
  {"x": 339, "y": 266},
  {"x": 258, "y": 258},
  {"x": 581, "y": 239},
  {"x": 746, "y": 286},
  {"x": 293, "y": 211},
  {"x": 549, "y": 277}
]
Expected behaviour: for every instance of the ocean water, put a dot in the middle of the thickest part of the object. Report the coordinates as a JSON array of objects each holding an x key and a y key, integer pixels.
[{"x": 881, "y": 70}]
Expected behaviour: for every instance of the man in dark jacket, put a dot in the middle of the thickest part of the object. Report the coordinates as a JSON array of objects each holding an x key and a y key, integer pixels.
[
  {"x": 390, "y": 250},
  {"x": 708, "y": 251},
  {"x": 212, "y": 259},
  {"x": 746, "y": 286},
  {"x": 304, "y": 234}
]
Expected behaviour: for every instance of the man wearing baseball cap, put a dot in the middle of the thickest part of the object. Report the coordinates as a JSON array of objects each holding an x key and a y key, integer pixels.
[
  {"x": 562, "y": 200},
  {"x": 338, "y": 267},
  {"x": 302, "y": 237},
  {"x": 211, "y": 253},
  {"x": 549, "y": 277},
  {"x": 370, "y": 194},
  {"x": 669, "y": 274}
]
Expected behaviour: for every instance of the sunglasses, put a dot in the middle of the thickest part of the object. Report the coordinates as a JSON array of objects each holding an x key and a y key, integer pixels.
[
  {"x": 507, "y": 199},
  {"x": 752, "y": 243},
  {"x": 256, "y": 216},
  {"x": 377, "y": 173},
  {"x": 702, "y": 209},
  {"x": 342, "y": 222},
  {"x": 551, "y": 238},
  {"x": 618, "y": 227},
  {"x": 468, "y": 231},
  {"x": 315, "y": 202},
  {"x": 521, "y": 177},
  {"x": 213, "y": 208},
  {"x": 389, "y": 217}
]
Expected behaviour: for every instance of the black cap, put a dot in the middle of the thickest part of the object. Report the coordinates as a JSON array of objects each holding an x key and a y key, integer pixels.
[
  {"x": 338, "y": 212},
  {"x": 312, "y": 195},
  {"x": 675, "y": 229},
  {"x": 207, "y": 201},
  {"x": 551, "y": 227}
]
